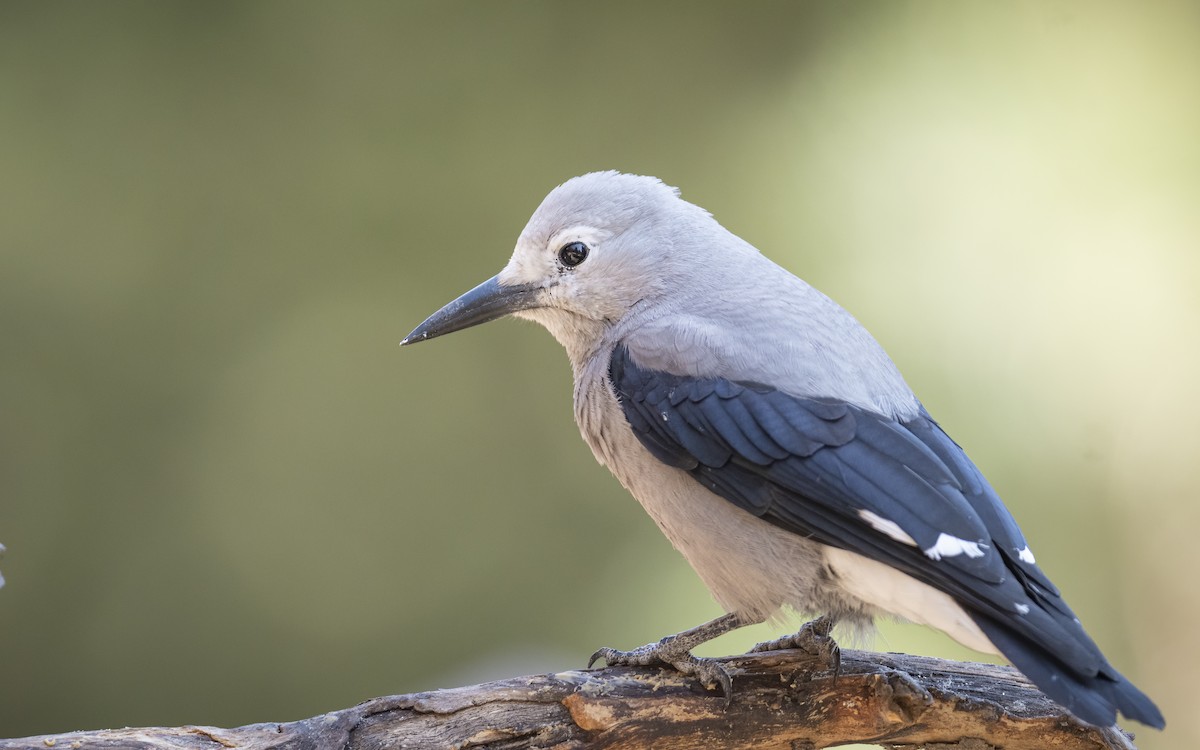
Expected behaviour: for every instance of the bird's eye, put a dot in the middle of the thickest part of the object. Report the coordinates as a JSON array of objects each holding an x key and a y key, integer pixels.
[{"x": 573, "y": 253}]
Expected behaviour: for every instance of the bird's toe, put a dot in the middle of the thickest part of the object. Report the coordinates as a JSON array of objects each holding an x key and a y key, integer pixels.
[
  {"x": 710, "y": 672},
  {"x": 652, "y": 653},
  {"x": 813, "y": 639}
]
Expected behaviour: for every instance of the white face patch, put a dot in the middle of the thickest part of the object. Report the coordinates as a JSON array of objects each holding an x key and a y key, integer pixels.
[
  {"x": 1022, "y": 609},
  {"x": 885, "y": 526},
  {"x": 538, "y": 264},
  {"x": 948, "y": 545},
  {"x": 1026, "y": 555}
]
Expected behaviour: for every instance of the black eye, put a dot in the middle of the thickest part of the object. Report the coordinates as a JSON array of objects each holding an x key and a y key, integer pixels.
[{"x": 573, "y": 253}]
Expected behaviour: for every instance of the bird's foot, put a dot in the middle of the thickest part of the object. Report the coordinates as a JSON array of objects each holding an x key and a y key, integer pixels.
[
  {"x": 669, "y": 651},
  {"x": 676, "y": 651},
  {"x": 814, "y": 640}
]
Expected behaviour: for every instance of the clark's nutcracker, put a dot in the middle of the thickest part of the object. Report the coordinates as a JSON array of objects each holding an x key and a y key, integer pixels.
[{"x": 775, "y": 443}]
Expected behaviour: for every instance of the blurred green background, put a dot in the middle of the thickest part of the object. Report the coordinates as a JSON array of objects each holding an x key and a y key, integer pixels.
[{"x": 227, "y": 495}]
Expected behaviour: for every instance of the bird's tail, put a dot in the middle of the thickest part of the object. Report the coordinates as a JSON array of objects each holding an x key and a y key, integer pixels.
[{"x": 1094, "y": 698}]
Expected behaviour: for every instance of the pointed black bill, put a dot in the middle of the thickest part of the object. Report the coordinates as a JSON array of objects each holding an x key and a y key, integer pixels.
[{"x": 488, "y": 301}]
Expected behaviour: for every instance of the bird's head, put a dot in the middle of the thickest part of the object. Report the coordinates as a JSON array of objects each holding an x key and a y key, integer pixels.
[{"x": 598, "y": 247}]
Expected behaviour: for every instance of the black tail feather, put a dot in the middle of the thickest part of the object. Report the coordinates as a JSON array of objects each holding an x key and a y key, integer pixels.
[{"x": 1095, "y": 699}]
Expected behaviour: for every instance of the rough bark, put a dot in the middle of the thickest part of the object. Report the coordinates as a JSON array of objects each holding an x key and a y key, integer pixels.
[{"x": 891, "y": 700}]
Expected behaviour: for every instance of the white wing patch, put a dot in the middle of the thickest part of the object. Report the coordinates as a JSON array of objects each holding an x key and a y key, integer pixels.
[
  {"x": 1026, "y": 555},
  {"x": 948, "y": 545},
  {"x": 1022, "y": 609},
  {"x": 886, "y": 526}
]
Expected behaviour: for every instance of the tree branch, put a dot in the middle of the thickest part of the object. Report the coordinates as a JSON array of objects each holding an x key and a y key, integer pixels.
[{"x": 893, "y": 700}]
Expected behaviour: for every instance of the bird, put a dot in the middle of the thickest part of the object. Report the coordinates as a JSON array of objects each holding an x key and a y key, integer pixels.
[{"x": 775, "y": 443}]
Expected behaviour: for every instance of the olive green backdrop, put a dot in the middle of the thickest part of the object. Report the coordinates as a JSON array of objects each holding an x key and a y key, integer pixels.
[{"x": 228, "y": 496}]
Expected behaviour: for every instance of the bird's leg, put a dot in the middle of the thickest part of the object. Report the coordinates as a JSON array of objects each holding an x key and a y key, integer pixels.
[
  {"x": 813, "y": 639},
  {"x": 675, "y": 650}
]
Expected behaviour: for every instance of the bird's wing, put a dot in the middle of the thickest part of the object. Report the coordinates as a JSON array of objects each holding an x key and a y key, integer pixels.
[{"x": 901, "y": 493}]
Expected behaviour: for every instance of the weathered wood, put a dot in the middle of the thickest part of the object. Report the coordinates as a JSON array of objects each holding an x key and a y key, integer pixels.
[{"x": 892, "y": 700}]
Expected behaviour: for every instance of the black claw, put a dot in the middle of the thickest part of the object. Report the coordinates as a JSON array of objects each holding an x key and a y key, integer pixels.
[
  {"x": 595, "y": 658},
  {"x": 709, "y": 672},
  {"x": 726, "y": 681}
]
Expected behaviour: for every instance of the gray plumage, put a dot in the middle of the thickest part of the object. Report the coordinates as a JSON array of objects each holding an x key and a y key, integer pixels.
[{"x": 773, "y": 440}]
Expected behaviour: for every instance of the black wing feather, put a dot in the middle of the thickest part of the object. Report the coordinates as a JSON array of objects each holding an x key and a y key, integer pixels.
[{"x": 811, "y": 465}]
